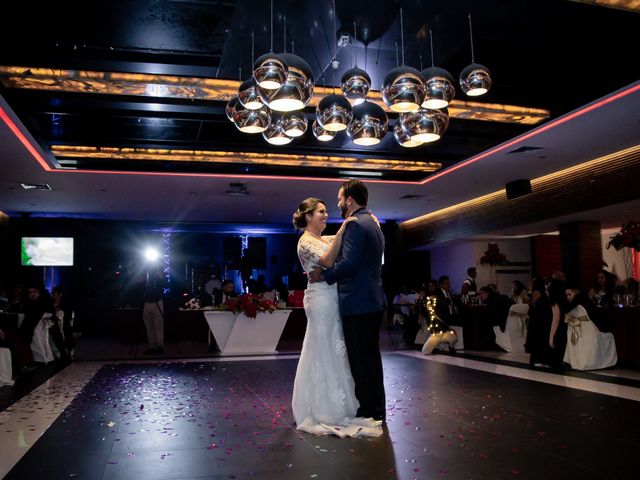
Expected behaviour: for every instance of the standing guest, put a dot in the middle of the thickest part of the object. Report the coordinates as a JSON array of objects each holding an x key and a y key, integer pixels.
[
  {"x": 559, "y": 308},
  {"x": 35, "y": 306},
  {"x": 519, "y": 293},
  {"x": 432, "y": 288},
  {"x": 153, "y": 311},
  {"x": 469, "y": 284},
  {"x": 540, "y": 319},
  {"x": 63, "y": 312},
  {"x": 445, "y": 308}
]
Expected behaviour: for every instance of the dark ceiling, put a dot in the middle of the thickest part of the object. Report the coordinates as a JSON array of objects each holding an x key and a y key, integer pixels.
[{"x": 554, "y": 55}]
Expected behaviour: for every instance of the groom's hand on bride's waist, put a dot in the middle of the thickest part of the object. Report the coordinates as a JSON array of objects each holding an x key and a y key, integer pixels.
[{"x": 315, "y": 275}]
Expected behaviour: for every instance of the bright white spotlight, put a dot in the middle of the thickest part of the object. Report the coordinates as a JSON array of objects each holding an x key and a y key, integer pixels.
[{"x": 151, "y": 254}]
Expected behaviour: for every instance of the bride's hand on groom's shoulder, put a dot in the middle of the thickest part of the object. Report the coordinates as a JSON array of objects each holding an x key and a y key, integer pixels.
[
  {"x": 374, "y": 217},
  {"x": 344, "y": 225},
  {"x": 315, "y": 275}
]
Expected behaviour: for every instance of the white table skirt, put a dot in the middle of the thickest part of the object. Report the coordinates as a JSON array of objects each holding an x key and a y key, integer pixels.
[{"x": 237, "y": 334}]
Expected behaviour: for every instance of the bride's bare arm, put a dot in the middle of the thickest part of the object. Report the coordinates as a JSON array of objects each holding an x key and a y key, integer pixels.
[{"x": 328, "y": 259}]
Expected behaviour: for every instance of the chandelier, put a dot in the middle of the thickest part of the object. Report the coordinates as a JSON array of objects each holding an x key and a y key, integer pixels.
[{"x": 272, "y": 101}]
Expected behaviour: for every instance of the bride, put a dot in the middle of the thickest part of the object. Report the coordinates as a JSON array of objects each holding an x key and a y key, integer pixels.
[{"x": 324, "y": 401}]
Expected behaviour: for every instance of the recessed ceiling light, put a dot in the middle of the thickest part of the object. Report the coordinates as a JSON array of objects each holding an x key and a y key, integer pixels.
[{"x": 35, "y": 186}]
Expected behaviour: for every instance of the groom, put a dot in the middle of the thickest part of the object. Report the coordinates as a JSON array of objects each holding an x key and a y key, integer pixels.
[{"x": 357, "y": 271}]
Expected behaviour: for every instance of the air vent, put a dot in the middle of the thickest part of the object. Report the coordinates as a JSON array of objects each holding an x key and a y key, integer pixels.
[
  {"x": 238, "y": 190},
  {"x": 35, "y": 186},
  {"x": 411, "y": 197},
  {"x": 525, "y": 149}
]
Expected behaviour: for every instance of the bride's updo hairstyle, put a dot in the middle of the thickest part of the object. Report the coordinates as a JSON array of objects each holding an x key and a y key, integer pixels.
[{"x": 309, "y": 206}]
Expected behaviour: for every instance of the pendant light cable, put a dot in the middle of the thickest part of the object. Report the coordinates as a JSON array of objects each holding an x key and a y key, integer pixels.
[
  {"x": 402, "y": 34},
  {"x": 473, "y": 59}
]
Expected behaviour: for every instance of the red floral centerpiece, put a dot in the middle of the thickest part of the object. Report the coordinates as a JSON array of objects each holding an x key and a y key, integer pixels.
[
  {"x": 249, "y": 304},
  {"x": 493, "y": 256},
  {"x": 628, "y": 236}
]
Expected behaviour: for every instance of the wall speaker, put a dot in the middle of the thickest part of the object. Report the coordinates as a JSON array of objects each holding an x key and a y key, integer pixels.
[{"x": 518, "y": 188}]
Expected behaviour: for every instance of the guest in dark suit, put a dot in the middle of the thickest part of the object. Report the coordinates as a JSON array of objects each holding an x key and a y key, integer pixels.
[{"x": 357, "y": 271}]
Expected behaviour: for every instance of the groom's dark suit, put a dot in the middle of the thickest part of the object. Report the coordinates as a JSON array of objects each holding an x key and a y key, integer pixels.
[{"x": 357, "y": 271}]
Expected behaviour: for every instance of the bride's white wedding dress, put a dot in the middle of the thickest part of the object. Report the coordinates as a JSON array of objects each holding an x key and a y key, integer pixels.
[{"x": 324, "y": 399}]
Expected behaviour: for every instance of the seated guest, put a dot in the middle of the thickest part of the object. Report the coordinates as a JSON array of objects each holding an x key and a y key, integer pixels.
[
  {"x": 259, "y": 286},
  {"x": 16, "y": 300},
  {"x": 587, "y": 347},
  {"x": 602, "y": 292},
  {"x": 282, "y": 289},
  {"x": 499, "y": 306},
  {"x": 225, "y": 294}
]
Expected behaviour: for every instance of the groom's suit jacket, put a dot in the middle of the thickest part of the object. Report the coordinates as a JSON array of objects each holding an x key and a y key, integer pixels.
[{"x": 358, "y": 267}]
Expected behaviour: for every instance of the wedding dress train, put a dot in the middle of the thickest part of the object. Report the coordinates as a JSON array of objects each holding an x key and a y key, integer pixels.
[{"x": 324, "y": 401}]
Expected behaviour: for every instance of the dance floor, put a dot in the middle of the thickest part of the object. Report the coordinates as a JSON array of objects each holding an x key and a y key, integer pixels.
[{"x": 448, "y": 417}]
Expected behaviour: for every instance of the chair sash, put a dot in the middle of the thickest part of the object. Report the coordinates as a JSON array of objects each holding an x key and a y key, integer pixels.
[{"x": 576, "y": 326}]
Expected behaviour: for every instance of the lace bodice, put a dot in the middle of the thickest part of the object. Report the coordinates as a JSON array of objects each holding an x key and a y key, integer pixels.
[{"x": 310, "y": 249}]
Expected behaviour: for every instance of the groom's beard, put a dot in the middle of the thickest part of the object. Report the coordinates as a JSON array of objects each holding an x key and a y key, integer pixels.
[{"x": 343, "y": 211}]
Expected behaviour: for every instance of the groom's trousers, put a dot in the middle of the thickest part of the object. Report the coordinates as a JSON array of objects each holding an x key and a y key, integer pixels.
[{"x": 362, "y": 338}]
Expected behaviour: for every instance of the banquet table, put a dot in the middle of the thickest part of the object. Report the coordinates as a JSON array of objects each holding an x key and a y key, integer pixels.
[
  {"x": 477, "y": 327},
  {"x": 624, "y": 323}
]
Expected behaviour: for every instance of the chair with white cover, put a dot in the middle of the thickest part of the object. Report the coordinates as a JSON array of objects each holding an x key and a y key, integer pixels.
[
  {"x": 269, "y": 296},
  {"x": 40, "y": 345},
  {"x": 515, "y": 331},
  {"x": 5, "y": 367}
]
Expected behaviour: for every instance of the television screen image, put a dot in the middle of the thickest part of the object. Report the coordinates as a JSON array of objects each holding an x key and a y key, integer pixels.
[{"x": 47, "y": 251}]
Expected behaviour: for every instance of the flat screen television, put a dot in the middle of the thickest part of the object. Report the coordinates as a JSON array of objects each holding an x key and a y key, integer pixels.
[{"x": 47, "y": 251}]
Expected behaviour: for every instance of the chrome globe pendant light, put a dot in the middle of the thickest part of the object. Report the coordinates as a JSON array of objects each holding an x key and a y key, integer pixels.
[
  {"x": 426, "y": 125},
  {"x": 439, "y": 84},
  {"x": 334, "y": 112},
  {"x": 294, "y": 124},
  {"x": 402, "y": 136},
  {"x": 248, "y": 94},
  {"x": 369, "y": 124},
  {"x": 297, "y": 90},
  {"x": 230, "y": 108},
  {"x": 270, "y": 70},
  {"x": 355, "y": 82},
  {"x": 403, "y": 89},
  {"x": 475, "y": 79},
  {"x": 321, "y": 134},
  {"x": 274, "y": 133},
  {"x": 250, "y": 121}
]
